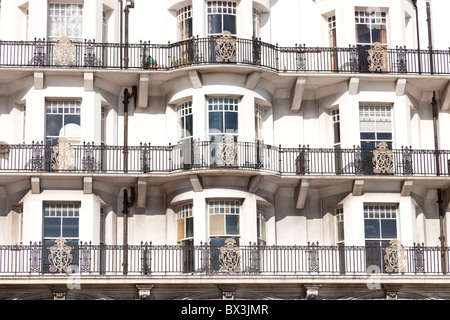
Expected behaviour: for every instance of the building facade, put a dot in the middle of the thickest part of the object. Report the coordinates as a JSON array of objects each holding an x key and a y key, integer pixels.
[{"x": 241, "y": 149}]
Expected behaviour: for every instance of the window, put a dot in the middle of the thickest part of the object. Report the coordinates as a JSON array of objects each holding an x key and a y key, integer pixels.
[
  {"x": 221, "y": 17},
  {"x": 61, "y": 220},
  {"x": 375, "y": 126},
  {"x": 336, "y": 128},
  {"x": 184, "y": 23},
  {"x": 261, "y": 212},
  {"x": 103, "y": 126},
  {"x": 63, "y": 121},
  {"x": 339, "y": 214},
  {"x": 223, "y": 116},
  {"x": 370, "y": 27},
  {"x": 259, "y": 120},
  {"x": 24, "y": 122},
  {"x": 380, "y": 224},
  {"x": 380, "y": 227},
  {"x": 256, "y": 23},
  {"x": 65, "y": 19},
  {"x": 332, "y": 31},
  {"x": 185, "y": 125},
  {"x": 185, "y": 221},
  {"x": 224, "y": 217}
]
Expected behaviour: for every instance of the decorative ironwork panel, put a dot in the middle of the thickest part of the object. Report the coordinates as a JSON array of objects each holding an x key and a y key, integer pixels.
[
  {"x": 353, "y": 59},
  {"x": 39, "y": 53},
  {"x": 302, "y": 162},
  {"x": 377, "y": 58},
  {"x": 35, "y": 257},
  {"x": 85, "y": 258},
  {"x": 145, "y": 158},
  {"x": 90, "y": 58},
  {"x": 64, "y": 52},
  {"x": 401, "y": 60},
  {"x": 230, "y": 256},
  {"x": 88, "y": 162},
  {"x": 313, "y": 258},
  {"x": 36, "y": 161},
  {"x": 63, "y": 155},
  {"x": 300, "y": 59},
  {"x": 407, "y": 161},
  {"x": 60, "y": 256},
  {"x": 226, "y": 48},
  {"x": 227, "y": 151},
  {"x": 395, "y": 257},
  {"x": 419, "y": 259},
  {"x": 383, "y": 160}
]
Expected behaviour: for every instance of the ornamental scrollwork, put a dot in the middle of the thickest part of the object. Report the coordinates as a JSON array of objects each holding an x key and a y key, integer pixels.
[
  {"x": 64, "y": 52},
  {"x": 230, "y": 256},
  {"x": 395, "y": 257},
  {"x": 377, "y": 58},
  {"x": 63, "y": 155},
  {"x": 383, "y": 159},
  {"x": 227, "y": 153},
  {"x": 226, "y": 48},
  {"x": 60, "y": 256}
]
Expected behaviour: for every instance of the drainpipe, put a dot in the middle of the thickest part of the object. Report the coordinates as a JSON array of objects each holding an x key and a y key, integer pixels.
[
  {"x": 121, "y": 32},
  {"x": 418, "y": 36},
  {"x": 127, "y": 204},
  {"x": 430, "y": 40},
  {"x": 440, "y": 201},
  {"x": 126, "y": 99}
]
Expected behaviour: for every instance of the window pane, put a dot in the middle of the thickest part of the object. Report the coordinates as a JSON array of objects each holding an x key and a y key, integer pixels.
[
  {"x": 52, "y": 227},
  {"x": 72, "y": 119},
  {"x": 215, "y": 122},
  {"x": 231, "y": 122},
  {"x": 216, "y": 225},
  {"x": 384, "y": 136},
  {"x": 70, "y": 228},
  {"x": 389, "y": 229},
  {"x": 371, "y": 228},
  {"x": 362, "y": 33},
  {"x": 53, "y": 124},
  {"x": 214, "y": 23},
  {"x": 367, "y": 136},
  {"x": 189, "y": 128},
  {"x": 232, "y": 224},
  {"x": 189, "y": 227},
  {"x": 229, "y": 23}
]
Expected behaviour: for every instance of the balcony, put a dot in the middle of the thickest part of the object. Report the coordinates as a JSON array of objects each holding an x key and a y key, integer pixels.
[
  {"x": 231, "y": 259},
  {"x": 224, "y": 49},
  {"x": 192, "y": 155}
]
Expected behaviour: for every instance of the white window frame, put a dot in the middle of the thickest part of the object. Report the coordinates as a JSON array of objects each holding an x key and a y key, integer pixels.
[
  {"x": 372, "y": 20},
  {"x": 220, "y": 209},
  {"x": 184, "y": 212},
  {"x": 64, "y": 107},
  {"x": 224, "y": 105},
  {"x": 222, "y": 8},
  {"x": 183, "y": 15},
  {"x": 184, "y": 110},
  {"x": 65, "y": 23},
  {"x": 380, "y": 115}
]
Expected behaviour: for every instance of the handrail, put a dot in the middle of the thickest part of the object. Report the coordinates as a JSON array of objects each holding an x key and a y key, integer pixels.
[
  {"x": 230, "y": 259},
  {"x": 223, "y": 49},
  {"x": 194, "y": 155}
]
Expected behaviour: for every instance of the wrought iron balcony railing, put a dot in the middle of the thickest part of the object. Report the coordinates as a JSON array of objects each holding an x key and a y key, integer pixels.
[
  {"x": 223, "y": 49},
  {"x": 230, "y": 259},
  {"x": 227, "y": 153}
]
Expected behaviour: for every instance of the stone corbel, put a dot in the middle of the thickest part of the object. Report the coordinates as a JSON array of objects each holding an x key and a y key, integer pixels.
[
  {"x": 143, "y": 91},
  {"x": 144, "y": 291},
  {"x": 300, "y": 194},
  {"x": 297, "y": 92}
]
